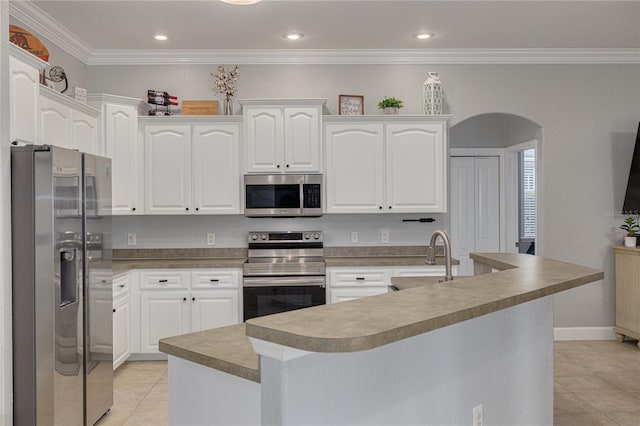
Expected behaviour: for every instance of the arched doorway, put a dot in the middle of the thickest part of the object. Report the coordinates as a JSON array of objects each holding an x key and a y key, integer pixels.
[{"x": 494, "y": 186}]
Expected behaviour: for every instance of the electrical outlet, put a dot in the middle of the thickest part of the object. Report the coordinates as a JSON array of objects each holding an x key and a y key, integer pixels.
[
  {"x": 354, "y": 237},
  {"x": 131, "y": 239},
  {"x": 211, "y": 239},
  {"x": 477, "y": 415},
  {"x": 384, "y": 236}
]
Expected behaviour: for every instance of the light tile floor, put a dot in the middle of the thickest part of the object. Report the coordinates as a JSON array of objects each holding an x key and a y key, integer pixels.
[{"x": 596, "y": 383}]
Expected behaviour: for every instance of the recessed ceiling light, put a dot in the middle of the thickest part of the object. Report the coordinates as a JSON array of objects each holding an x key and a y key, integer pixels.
[
  {"x": 423, "y": 36},
  {"x": 161, "y": 37},
  {"x": 242, "y": 2},
  {"x": 293, "y": 36}
]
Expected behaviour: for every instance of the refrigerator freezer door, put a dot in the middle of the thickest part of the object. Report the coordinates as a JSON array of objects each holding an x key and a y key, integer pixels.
[
  {"x": 67, "y": 257},
  {"x": 98, "y": 300}
]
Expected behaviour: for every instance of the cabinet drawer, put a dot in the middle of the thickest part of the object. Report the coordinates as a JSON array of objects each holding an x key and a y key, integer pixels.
[
  {"x": 214, "y": 279},
  {"x": 359, "y": 278},
  {"x": 162, "y": 280},
  {"x": 120, "y": 285}
]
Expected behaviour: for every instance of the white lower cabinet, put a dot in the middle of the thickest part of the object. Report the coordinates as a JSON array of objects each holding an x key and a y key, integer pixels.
[
  {"x": 121, "y": 331},
  {"x": 213, "y": 309},
  {"x": 163, "y": 314},
  {"x": 121, "y": 320},
  {"x": 169, "y": 302},
  {"x": 353, "y": 283},
  {"x": 348, "y": 283}
]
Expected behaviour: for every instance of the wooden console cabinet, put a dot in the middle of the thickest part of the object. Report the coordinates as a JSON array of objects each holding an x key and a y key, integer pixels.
[{"x": 627, "y": 293}]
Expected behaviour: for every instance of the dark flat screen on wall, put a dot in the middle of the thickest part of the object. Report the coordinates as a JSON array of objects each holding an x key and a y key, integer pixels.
[{"x": 632, "y": 197}]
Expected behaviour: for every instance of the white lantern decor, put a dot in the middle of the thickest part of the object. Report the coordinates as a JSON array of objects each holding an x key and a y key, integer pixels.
[{"x": 432, "y": 93}]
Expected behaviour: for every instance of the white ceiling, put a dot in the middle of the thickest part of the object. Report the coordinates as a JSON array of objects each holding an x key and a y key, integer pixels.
[{"x": 351, "y": 24}]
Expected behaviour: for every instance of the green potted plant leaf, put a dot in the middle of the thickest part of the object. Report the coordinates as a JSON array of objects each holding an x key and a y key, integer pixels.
[
  {"x": 631, "y": 226},
  {"x": 390, "y": 105}
]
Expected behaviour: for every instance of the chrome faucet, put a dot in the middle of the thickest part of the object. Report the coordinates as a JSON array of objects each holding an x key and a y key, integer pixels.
[{"x": 431, "y": 252}]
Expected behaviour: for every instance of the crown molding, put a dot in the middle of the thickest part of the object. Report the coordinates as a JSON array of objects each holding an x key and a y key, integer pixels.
[
  {"x": 42, "y": 23},
  {"x": 364, "y": 56}
]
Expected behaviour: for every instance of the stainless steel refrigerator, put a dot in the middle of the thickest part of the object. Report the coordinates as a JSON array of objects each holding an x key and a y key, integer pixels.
[{"x": 62, "y": 286}]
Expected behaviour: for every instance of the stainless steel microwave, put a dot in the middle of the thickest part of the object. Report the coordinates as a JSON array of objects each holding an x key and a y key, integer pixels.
[{"x": 284, "y": 195}]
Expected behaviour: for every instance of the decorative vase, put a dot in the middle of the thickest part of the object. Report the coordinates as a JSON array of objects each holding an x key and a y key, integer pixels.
[
  {"x": 630, "y": 241},
  {"x": 228, "y": 106},
  {"x": 391, "y": 110},
  {"x": 432, "y": 94}
]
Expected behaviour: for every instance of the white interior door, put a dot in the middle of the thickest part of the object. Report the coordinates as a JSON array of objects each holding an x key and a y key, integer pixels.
[{"x": 475, "y": 208}]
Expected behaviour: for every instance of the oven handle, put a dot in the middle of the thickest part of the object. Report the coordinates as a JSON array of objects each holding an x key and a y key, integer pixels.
[{"x": 283, "y": 281}]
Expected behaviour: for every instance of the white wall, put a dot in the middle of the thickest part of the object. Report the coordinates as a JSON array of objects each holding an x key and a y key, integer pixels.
[
  {"x": 588, "y": 118},
  {"x": 76, "y": 71},
  {"x": 231, "y": 231},
  {"x": 6, "y": 384},
  {"x": 502, "y": 360}
]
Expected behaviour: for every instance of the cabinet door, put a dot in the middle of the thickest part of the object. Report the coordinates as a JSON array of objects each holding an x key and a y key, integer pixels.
[
  {"x": 55, "y": 123},
  {"x": 216, "y": 164},
  {"x": 84, "y": 132},
  {"x": 24, "y": 93},
  {"x": 416, "y": 168},
  {"x": 358, "y": 277},
  {"x": 163, "y": 314},
  {"x": 121, "y": 145},
  {"x": 263, "y": 132},
  {"x": 302, "y": 139},
  {"x": 355, "y": 168},
  {"x": 212, "y": 309},
  {"x": 463, "y": 211},
  {"x": 121, "y": 330},
  {"x": 345, "y": 294},
  {"x": 167, "y": 169}
]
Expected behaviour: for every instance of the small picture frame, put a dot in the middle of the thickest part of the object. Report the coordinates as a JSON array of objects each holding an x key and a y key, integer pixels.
[{"x": 350, "y": 105}]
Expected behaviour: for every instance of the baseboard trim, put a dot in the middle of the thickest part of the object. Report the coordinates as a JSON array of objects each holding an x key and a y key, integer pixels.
[{"x": 584, "y": 333}]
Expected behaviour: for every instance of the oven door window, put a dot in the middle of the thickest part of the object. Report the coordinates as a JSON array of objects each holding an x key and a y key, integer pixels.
[
  {"x": 260, "y": 301},
  {"x": 273, "y": 196}
]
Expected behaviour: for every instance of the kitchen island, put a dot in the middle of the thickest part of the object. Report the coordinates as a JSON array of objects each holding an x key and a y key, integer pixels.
[{"x": 426, "y": 355}]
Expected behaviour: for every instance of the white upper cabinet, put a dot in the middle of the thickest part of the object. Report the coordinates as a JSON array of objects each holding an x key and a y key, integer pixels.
[
  {"x": 283, "y": 135},
  {"x": 84, "y": 132},
  {"x": 302, "y": 139},
  {"x": 68, "y": 123},
  {"x": 24, "y": 93},
  {"x": 264, "y": 145},
  {"x": 215, "y": 172},
  {"x": 386, "y": 164},
  {"x": 167, "y": 169},
  {"x": 191, "y": 167},
  {"x": 55, "y": 122},
  {"x": 355, "y": 168},
  {"x": 119, "y": 132},
  {"x": 416, "y": 167}
]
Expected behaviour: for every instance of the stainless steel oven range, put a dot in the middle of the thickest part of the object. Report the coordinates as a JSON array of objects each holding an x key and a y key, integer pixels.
[{"x": 284, "y": 271}]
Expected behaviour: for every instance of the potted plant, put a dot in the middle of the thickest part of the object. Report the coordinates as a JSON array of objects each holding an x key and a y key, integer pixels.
[
  {"x": 390, "y": 105},
  {"x": 631, "y": 226}
]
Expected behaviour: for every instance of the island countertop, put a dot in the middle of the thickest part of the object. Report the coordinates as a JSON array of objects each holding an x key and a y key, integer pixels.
[{"x": 374, "y": 321}]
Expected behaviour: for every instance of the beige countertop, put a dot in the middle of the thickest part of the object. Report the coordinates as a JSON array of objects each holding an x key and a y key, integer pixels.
[
  {"x": 374, "y": 321},
  {"x": 226, "y": 349},
  {"x": 383, "y": 261},
  {"x": 125, "y": 260},
  {"x": 378, "y": 320},
  {"x": 124, "y": 265}
]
